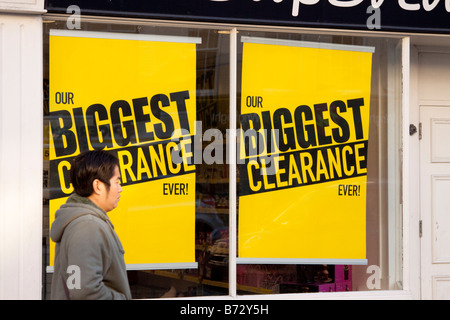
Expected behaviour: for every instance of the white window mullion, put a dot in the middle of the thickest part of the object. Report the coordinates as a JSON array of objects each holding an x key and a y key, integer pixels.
[{"x": 232, "y": 165}]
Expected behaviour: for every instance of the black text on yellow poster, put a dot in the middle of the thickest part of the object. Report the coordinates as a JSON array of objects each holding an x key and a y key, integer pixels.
[
  {"x": 133, "y": 95},
  {"x": 303, "y": 148}
]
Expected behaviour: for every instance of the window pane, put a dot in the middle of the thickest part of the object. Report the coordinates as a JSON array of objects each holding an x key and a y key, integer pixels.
[
  {"x": 382, "y": 210},
  {"x": 210, "y": 241}
]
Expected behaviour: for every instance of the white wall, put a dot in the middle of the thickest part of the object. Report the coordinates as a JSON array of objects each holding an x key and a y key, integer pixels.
[{"x": 21, "y": 149}]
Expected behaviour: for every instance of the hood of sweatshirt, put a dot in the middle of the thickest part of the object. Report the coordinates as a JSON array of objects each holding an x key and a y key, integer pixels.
[{"x": 75, "y": 207}]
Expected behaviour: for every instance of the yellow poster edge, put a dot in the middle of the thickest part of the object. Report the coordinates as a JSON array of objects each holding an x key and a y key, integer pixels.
[
  {"x": 313, "y": 261},
  {"x": 151, "y": 266},
  {"x": 123, "y": 36},
  {"x": 308, "y": 44}
]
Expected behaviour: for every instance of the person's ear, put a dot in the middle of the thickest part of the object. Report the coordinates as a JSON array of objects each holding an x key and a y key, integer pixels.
[{"x": 97, "y": 186}]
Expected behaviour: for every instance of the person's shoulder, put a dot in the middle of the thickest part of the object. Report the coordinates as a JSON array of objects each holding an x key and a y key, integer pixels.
[
  {"x": 88, "y": 225},
  {"x": 91, "y": 220}
]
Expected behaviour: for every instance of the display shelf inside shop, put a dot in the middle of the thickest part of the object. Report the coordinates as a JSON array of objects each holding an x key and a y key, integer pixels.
[
  {"x": 295, "y": 278},
  {"x": 276, "y": 279},
  {"x": 212, "y": 210},
  {"x": 203, "y": 281},
  {"x": 321, "y": 278}
]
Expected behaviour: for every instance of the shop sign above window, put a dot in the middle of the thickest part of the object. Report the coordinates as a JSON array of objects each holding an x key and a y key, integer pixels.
[{"x": 376, "y": 15}]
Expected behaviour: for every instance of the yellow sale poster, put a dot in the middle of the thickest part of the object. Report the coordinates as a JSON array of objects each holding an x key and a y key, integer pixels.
[
  {"x": 135, "y": 96},
  {"x": 303, "y": 152}
]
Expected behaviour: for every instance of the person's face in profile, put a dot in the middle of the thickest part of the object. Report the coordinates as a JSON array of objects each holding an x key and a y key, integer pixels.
[{"x": 111, "y": 197}]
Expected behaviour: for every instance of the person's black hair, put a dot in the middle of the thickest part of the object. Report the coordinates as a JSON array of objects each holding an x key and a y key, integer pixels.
[{"x": 91, "y": 165}]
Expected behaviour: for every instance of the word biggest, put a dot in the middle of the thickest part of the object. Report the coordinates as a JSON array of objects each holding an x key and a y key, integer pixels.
[
  {"x": 142, "y": 121},
  {"x": 303, "y": 128}
]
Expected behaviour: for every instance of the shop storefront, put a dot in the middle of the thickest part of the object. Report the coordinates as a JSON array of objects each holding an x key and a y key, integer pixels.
[{"x": 275, "y": 149}]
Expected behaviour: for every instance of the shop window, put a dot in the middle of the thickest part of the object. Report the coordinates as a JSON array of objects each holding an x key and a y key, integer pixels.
[
  {"x": 321, "y": 217},
  {"x": 207, "y": 234},
  {"x": 208, "y": 275}
]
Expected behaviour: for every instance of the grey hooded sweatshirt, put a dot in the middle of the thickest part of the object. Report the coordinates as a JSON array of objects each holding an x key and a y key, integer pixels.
[{"x": 89, "y": 257}]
